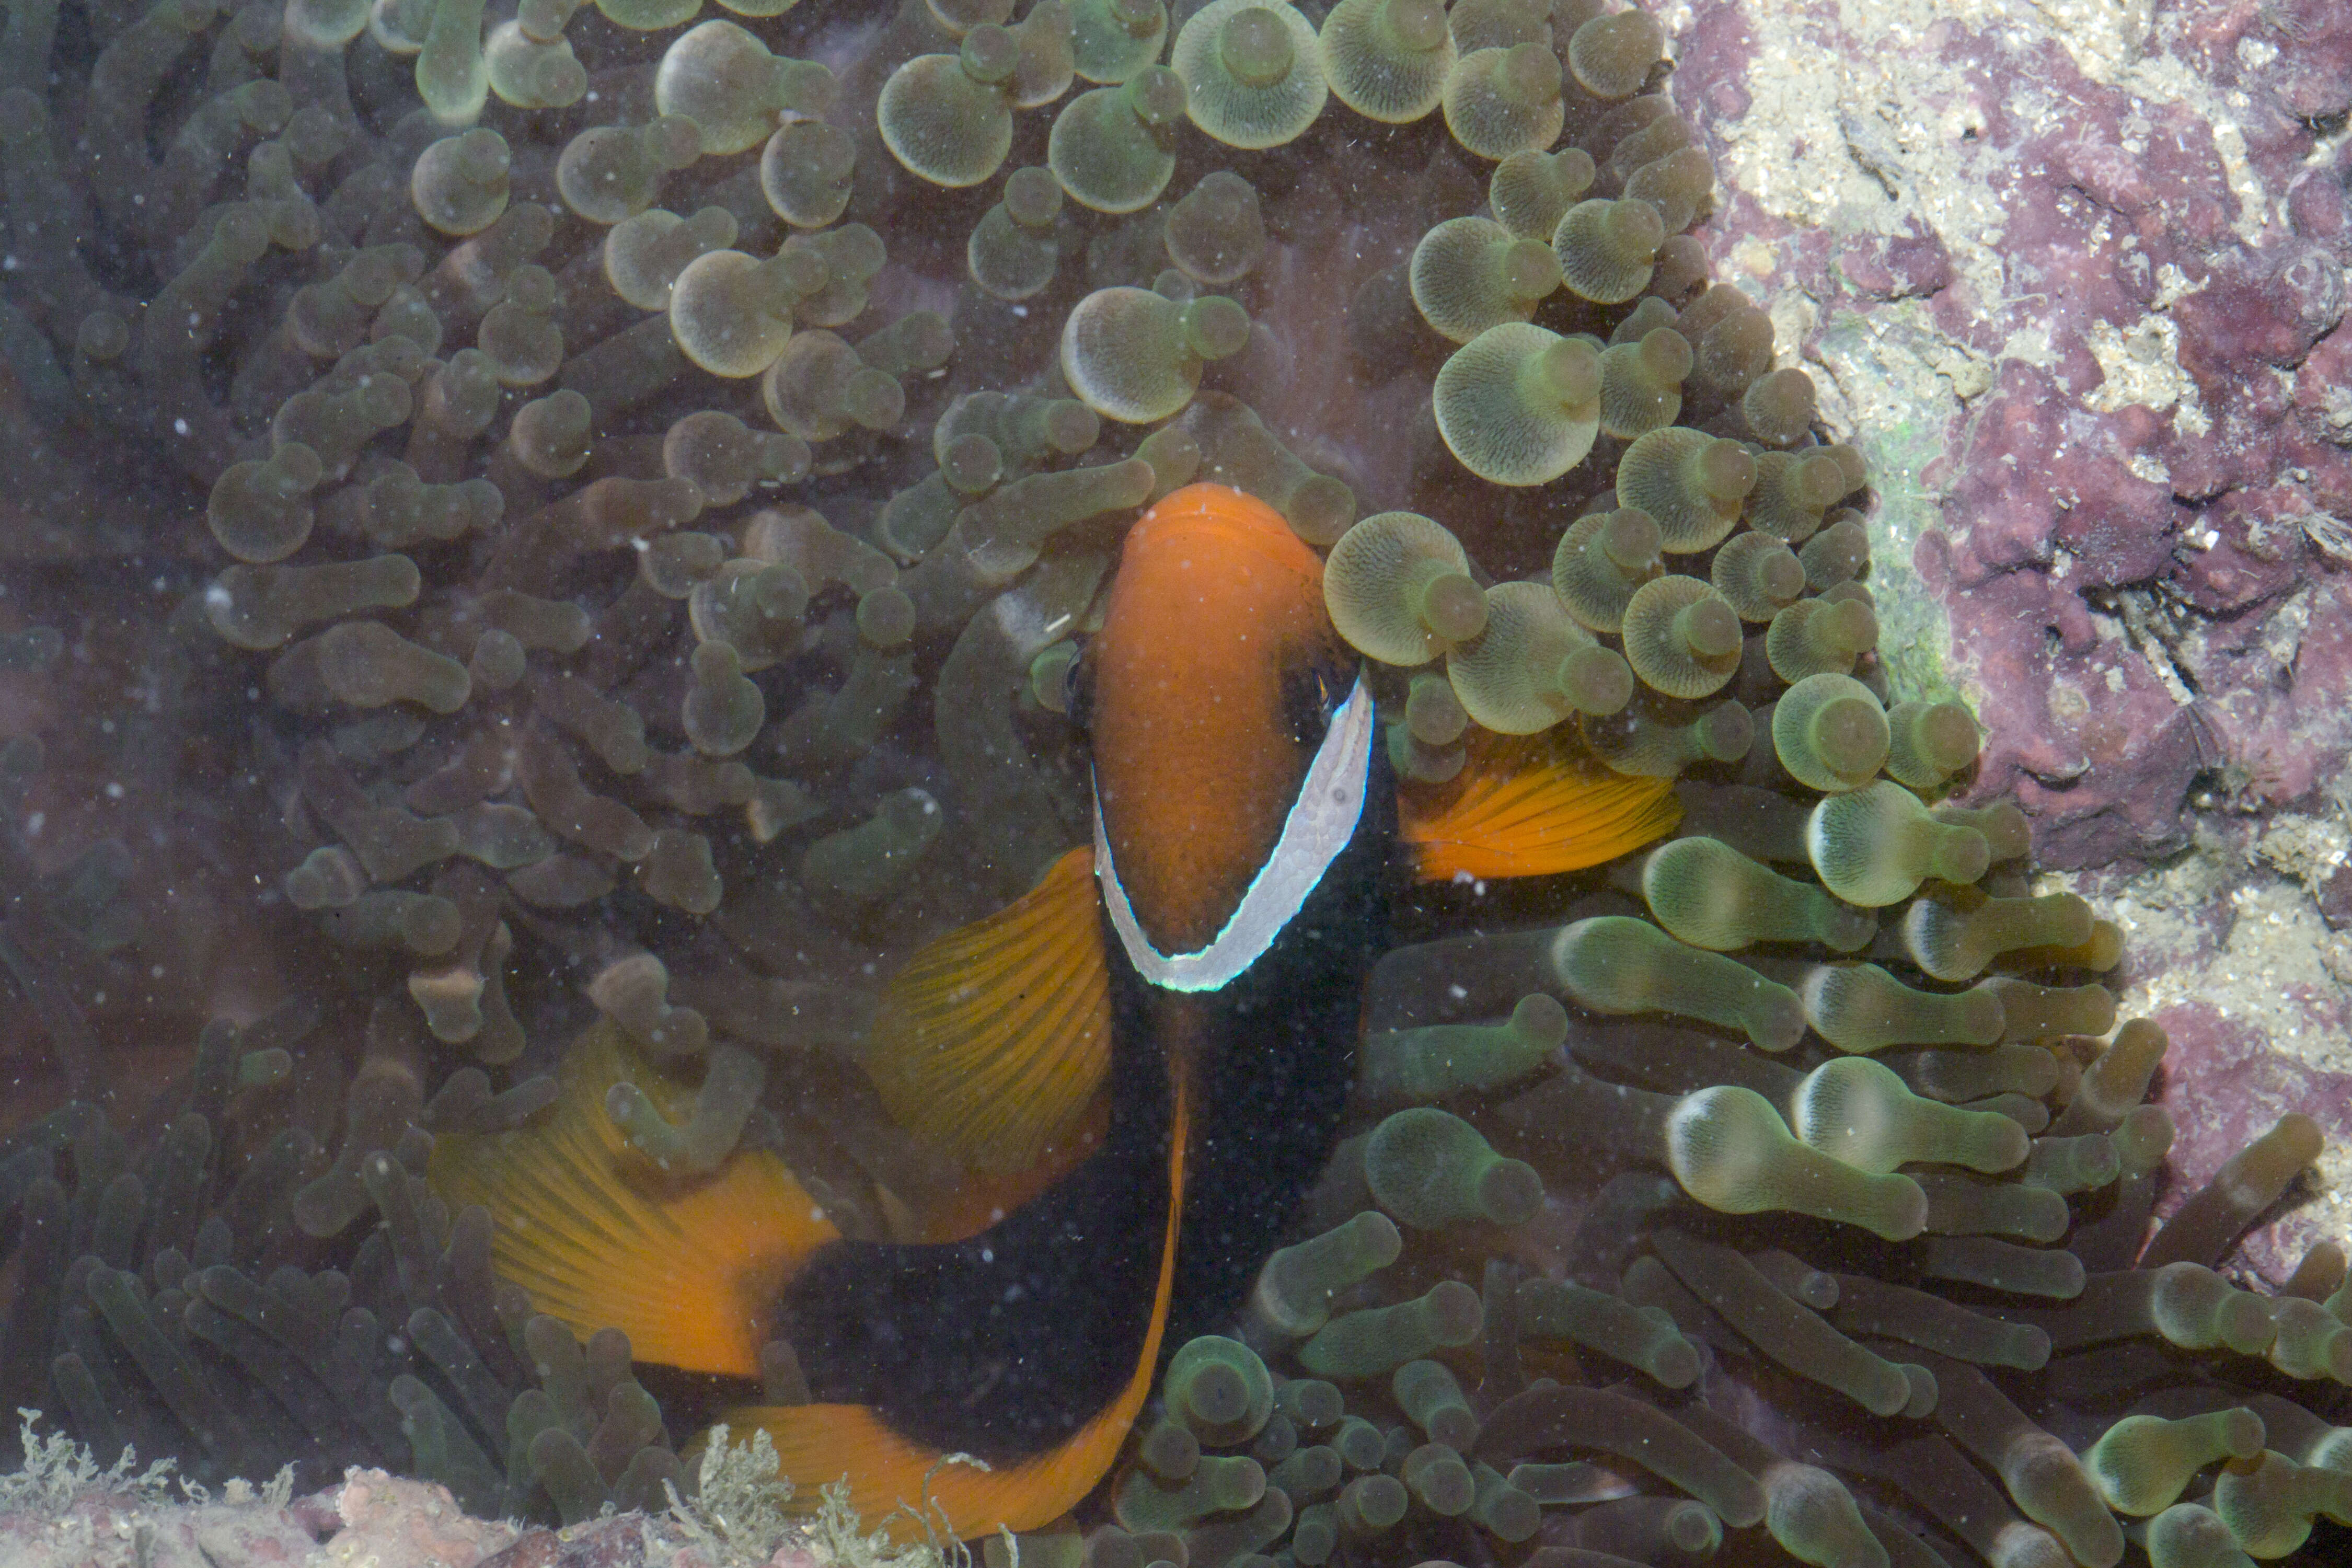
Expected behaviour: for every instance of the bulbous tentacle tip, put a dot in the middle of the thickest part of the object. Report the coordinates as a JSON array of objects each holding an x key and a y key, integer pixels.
[
  {"x": 1136, "y": 356},
  {"x": 1519, "y": 404},
  {"x": 1498, "y": 101},
  {"x": 948, "y": 119},
  {"x": 1253, "y": 72},
  {"x": 1531, "y": 665},
  {"x": 1611, "y": 56},
  {"x": 1112, "y": 149},
  {"x": 1399, "y": 589},
  {"x": 1388, "y": 59}
]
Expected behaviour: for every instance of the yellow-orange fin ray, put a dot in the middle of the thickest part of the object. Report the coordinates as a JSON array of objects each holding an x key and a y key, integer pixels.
[
  {"x": 1532, "y": 806},
  {"x": 993, "y": 1038},
  {"x": 688, "y": 1267}
]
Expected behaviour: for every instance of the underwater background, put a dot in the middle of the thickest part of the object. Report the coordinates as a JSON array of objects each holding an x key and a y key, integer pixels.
[{"x": 531, "y": 520}]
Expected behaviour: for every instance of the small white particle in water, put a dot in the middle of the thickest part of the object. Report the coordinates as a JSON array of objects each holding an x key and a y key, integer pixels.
[
  {"x": 988, "y": 1254},
  {"x": 179, "y": 426},
  {"x": 114, "y": 791},
  {"x": 156, "y": 972},
  {"x": 1459, "y": 993},
  {"x": 34, "y": 824}
]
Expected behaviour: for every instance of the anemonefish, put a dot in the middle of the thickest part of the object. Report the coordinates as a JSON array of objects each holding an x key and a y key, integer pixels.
[{"x": 1187, "y": 988}]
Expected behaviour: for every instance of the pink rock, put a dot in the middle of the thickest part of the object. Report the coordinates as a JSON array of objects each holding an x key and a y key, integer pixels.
[
  {"x": 631, "y": 1540},
  {"x": 2266, "y": 309},
  {"x": 2313, "y": 76},
  {"x": 2322, "y": 388},
  {"x": 1901, "y": 266},
  {"x": 2171, "y": 389},
  {"x": 100, "y": 1528},
  {"x": 2246, "y": 549},
  {"x": 395, "y": 1522},
  {"x": 2317, "y": 204},
  {"x": 2227, "y": 1088}
]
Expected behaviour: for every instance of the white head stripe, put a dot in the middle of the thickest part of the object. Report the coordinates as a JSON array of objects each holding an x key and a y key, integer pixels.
[{"x": 1321, "y": 822}]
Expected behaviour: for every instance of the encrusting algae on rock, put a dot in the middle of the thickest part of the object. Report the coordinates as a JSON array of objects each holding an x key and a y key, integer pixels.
[{"x": 1118, "y": 766}]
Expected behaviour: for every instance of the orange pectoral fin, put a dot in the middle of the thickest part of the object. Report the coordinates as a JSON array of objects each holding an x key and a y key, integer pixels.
[
  {"x": 992, "y": 1040},
  {"x": 1530, "y": 807},
  {"x": 688, "y": 1267}
]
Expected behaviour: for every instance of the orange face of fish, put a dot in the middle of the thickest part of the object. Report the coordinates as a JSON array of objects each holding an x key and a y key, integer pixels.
[{"x": 1207, "y": 684}]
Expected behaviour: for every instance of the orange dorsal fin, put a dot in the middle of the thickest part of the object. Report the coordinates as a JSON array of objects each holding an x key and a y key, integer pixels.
[
  {"x": 914, "y": 1493},
  {"x": 992, "y": 1040},
  {"x": 688, "y": 1267},
  {"x": 1532, "y": 805}
]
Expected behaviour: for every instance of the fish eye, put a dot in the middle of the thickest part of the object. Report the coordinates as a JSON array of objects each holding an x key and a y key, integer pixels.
[
  {"x": 1062, "y": 680},
  {"x": 1309, "y": 700}
]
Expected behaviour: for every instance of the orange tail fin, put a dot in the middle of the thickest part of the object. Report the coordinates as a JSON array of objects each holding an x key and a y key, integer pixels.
[
  {"x": 905, "y": 1488},
  {"x": 688, "y": 1267},
  {"x": 1532, "y": 805}
]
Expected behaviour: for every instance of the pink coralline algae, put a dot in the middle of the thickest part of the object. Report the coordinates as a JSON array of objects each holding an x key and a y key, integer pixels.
[
  {"x": 123, "y": 1520},
  {"x": 370, "y": 1519},
  {"x": 387, "y": 1521},
  {"x": 107, "y": 1529},
  {"x": 2246, "y": 1085},
  {"x": 2112, "y": 262}
]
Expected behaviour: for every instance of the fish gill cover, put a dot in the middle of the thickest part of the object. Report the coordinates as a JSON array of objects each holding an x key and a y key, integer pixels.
[{"x": 525, "y": 516}]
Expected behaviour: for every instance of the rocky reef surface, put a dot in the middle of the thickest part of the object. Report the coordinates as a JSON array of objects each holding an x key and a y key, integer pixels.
[
  {"x": 2072, "y": 275},
  {"x": 63, "y": 1510}
]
